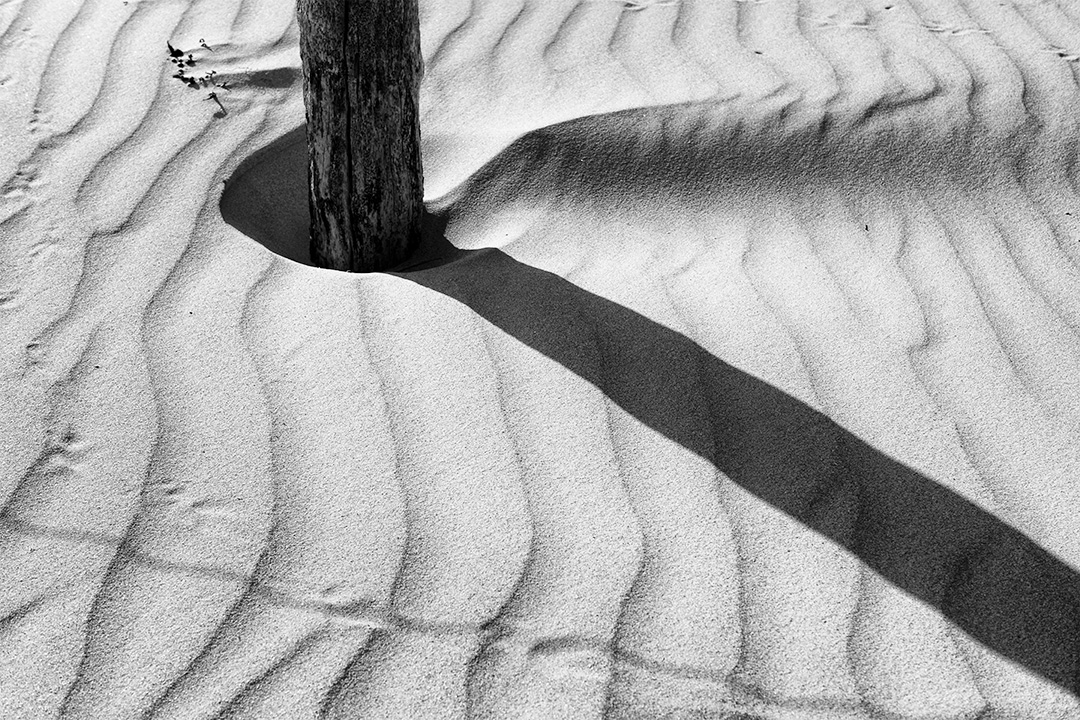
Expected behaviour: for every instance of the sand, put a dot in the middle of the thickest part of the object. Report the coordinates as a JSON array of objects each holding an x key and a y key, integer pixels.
[{"x": 738, "y": 376}]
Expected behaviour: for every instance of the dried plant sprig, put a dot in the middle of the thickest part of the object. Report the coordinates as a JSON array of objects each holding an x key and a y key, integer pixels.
[{"x": 184, "y": 60}]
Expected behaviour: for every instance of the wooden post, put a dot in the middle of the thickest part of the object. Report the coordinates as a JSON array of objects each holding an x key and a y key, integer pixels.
[{"x": 362, "y": 70}]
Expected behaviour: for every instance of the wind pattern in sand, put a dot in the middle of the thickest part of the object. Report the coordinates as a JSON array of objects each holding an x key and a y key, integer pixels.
[{"x": 238, "y": 487}]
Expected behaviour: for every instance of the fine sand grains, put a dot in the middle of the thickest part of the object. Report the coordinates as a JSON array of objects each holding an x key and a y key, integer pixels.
[{"x": 750, "y": 392}]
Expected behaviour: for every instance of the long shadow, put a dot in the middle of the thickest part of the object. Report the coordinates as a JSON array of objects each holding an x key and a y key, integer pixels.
[
  {"x": 990, "y": 579},
  {"x": 985, "y": 576}
]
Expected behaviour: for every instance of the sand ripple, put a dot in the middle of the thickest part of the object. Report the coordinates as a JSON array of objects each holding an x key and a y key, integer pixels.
[{"x": 237, "y": 487}]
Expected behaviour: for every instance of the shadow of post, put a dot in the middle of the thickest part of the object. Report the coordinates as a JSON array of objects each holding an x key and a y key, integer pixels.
[{"x": 988, "y": 578}]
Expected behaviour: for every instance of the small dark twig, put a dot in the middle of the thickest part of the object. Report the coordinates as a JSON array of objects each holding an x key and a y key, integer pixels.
[
  {"x": 204, "y": 81},
  {"x": 213, "y": 96}
]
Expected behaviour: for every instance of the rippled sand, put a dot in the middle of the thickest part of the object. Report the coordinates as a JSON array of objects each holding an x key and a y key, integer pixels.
[{"x": 739, "y": 376}]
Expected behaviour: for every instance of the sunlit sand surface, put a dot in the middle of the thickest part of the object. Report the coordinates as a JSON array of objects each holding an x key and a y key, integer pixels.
[{"x": 738, "y": 377}]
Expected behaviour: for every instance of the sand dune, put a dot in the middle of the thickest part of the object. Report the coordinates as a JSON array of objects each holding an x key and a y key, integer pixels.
[{"x": 738, "y": 377}]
